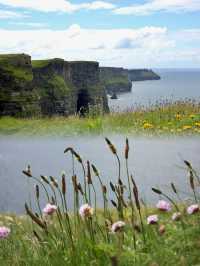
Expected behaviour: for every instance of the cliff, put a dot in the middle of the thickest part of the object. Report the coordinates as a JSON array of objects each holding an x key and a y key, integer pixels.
[
  {"x": 48, "y": 87},
  {"x": 16, "y": 92},
  {"x": 142, "y": 74},
  {"x": 117, "y": 80}
]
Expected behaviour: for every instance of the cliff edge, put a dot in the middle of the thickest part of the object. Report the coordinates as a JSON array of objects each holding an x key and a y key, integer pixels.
[{"x": 48, "y": 87}]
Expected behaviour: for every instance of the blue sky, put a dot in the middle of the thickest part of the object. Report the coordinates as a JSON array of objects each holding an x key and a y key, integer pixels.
[{"x": 140, "y": 33}]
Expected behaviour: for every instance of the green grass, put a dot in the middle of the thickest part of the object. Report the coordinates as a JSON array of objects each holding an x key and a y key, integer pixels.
[
  {"x": 40, "y": 63},
  {"x": 9, "y": 63},
  {"x": 66, "y": 238},
  {"x": 178, "y": 118}
]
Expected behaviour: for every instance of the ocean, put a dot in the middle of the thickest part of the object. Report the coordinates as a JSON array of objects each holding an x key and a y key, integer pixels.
[{"x": 175, "y": 84}]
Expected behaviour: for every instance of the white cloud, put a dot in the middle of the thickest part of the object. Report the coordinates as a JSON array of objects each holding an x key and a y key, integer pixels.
[
  {"x": 153, "y": 6},
  {"x": 5, "y": 14},
  {"x": 150, "y": 46},
  {"x": 30, "y": 24},
  {"x": 56, "y": 5}
]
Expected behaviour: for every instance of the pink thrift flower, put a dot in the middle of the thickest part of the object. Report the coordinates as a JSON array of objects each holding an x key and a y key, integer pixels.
[
  {"x": 4, "y": 232},
  {"x": 86, "y": 211},
  {"x": 176, "y": 216},
  {"x": 117, "y": 227},
  {"x": 152, "y": 219},
  {"x": 163, "y": 205},
  {"x": 193, "y": 208},
  {"x": 49, "y": 209}
]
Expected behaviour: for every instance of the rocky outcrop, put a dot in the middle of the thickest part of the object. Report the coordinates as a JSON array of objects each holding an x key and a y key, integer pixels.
[
  {"x": 118, "y": 80},
  {"x": 115, "y": 79},
  {"x": 16, "y": 92},
  {"x": 142, "y": 75},
  {"x": 48, "y": 87}
]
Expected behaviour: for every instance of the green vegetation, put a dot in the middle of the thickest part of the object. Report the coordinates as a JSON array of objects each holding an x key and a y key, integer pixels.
[
  {"x": 121, "y": 80},
  {"x": 40, "y": 63},
  {"x": 128, "y": 234},
  {"x": 171, "y": 118},
  {"x": 10, "y": 63}
]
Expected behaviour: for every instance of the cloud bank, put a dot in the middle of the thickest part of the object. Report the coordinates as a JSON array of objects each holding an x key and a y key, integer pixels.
[
  {"x": 56, "y": 5},
  {"x": 154, "y": 6},
  {"x": 142, "y": 47}
]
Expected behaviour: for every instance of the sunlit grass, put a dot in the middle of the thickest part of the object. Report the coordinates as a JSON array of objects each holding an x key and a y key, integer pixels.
[{"x": 177, "y": 118}]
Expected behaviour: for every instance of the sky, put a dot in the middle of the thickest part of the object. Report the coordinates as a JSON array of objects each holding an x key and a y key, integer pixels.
[{"x": 121, "y": 33}]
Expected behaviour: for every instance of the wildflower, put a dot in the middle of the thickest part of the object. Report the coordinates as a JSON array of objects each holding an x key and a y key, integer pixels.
[
  {"x": 147, "y": 125},
  {"x": 193, "y": 208},
  {"x": 86, "y": 211},
  {"x": 178, "y": 116},
  {"x": 118, "y": 226},
  {"x": 176, "y": 216},
  {"x": 186, "y": 127},
  {"x": 163, "y": 205},
  {"x": 161, "y": 229},
  {"x": 152, "y": 219},
  {"x": 49, "y": 209},
  {"x": 192, "y": 116},
  {"x": 197, "y": 124},
  {"x": 4, "y": 232}
]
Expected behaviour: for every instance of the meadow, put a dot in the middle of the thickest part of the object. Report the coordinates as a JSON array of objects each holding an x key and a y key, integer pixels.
[
  {"x": 164, "y": 118},
  {"x": 126, "y": 231}
]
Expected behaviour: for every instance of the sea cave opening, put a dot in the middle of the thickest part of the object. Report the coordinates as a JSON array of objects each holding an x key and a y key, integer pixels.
[{"x": 83, "y": 101}]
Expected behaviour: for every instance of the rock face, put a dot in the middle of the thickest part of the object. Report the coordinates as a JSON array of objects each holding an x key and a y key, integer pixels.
[
  {"x": 16, "y": 91},
  {"x": 142, "y": 74},
  {"x": 115, "y": 79},
  {"x": 118, "y": 80},
  {"x": 48, "y": 87}
]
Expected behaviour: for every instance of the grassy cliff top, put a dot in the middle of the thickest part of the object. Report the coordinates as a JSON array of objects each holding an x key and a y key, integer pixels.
[
  {"x": 45, "y": 62},
  {"x": 17, "y": 65}
]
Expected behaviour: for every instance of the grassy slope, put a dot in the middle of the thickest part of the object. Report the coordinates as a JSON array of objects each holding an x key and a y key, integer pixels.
[
  {"x": 7, "y": 62},
  {"x": 178, "y": 118}
]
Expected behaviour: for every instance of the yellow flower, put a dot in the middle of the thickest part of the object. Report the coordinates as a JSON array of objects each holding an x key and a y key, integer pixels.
[
  {"x": 197, "y": 124},
  {"x": 178, "y": 116},
  {"x": 186, "y": 127},
  {"x": 147, "y": 125},
  {"x": 192, "y": 116}
]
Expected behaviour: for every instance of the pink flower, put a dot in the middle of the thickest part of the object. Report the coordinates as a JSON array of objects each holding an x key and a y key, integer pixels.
[
  {"x": 117, "y": 227},
  {"x": 193, "y": 208},
  {"x": 163, "y": 205},
  {"x": 86, "y": 211},
  {"x": 176, "y": 216},
  {"x": 152, "y": 219},
  {"x": 4, "y": 232},
  {"x": 49, "y": 209}
]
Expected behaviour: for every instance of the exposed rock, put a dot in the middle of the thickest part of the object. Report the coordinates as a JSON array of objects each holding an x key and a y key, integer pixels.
[
  {"x": 120, "y": 80},
  {"x": 115, "y": 79},
  {"x": 17, "y": 95},
  {"x": 48, "y": 87},
  {"x": 114, "y": 96},
  {"x": 142, "y": 74}
]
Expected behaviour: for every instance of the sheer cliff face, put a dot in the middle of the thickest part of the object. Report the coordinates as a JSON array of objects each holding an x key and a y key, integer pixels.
[
  {"x": 117, "y": 80},
  {"x": 51, "y": 87},
  {"x": 16, "y": 92}
]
